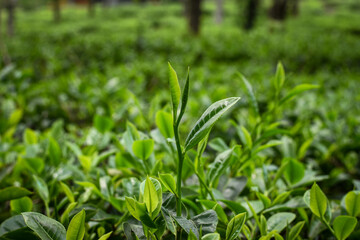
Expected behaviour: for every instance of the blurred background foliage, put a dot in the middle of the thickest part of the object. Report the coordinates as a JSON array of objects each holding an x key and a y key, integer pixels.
[{"x": 72, "y": 60}]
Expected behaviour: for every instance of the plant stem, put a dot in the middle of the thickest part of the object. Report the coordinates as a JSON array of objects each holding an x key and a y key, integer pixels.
[
  {"x": 179, "y": 174},
  {"x": 327, "y": 225}
]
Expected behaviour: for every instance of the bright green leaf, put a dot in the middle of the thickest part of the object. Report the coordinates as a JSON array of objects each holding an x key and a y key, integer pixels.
[
  {"x": 76, "y": 229},
  {"x": 234, "y": 227},
  {"x": 352, "y": 203},
  {"x": 143, "y": 148},
  {"x": 343, "y": 226},
  {"x": 318, "y": 201}
]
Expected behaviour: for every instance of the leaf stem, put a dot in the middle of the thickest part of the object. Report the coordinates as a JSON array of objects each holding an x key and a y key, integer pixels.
[
  {"x": 327, "y": 225},
  {"x": 180, "y": 166}
]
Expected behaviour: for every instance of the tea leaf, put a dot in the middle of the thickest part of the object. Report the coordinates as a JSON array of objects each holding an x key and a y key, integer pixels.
[
  {"x": 250, "y": 92},
  {"x": 318, "y": 201},
  {"x": 67, "y": 192},
  {"x": 11, "y": 193},
  {"x": 211, "y": 236},
  {"x": 164, "y": 123},
  {"x": 174, "y": 90},
  {"x": 169, "y": 182},
  {"x": 294, "y": 171},
  {"x": 234, "y": 227},
  {"x": 143, "y": 148},
  {"x": 343, "y": 226},
  {"x": 45, "y": 227},
  {"x": 76, "y": 229},
  {"x": 279, "y": 221},
  {"x": 207, "y": 120},
  {"x": 184, "y": 98},
  {"x": 41, "y": 188},
  {"x": 20, "y": 205},
  {"x": 295, "y": 230},
  {"x": 352, "y": 203},
  {"x": 150, "y": 196},
  {"x": 297, "y": 90}
]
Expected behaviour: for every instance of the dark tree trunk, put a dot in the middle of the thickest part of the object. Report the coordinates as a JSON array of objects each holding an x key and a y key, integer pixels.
[
  {"x": 250, "y": 13},
  {"x": 193, "y": 14},
  {"x": 294, "y": 7},
  {"x": 10, "y": 6},
  {"x": 219, "y": 12},
  {"x": 56, "y": 10},
  {"x": 91, "y": 8},
  {"x": 278, "y": 10}
]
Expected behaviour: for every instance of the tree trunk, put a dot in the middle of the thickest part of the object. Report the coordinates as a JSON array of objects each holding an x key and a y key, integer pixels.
[
  {"x": 294, "y": 7},
  {"x": 219, "y": 12},
  {"x": 91, "y": 8},
  {"x": 250, "y": 13},
  {"x": 56, "y": 10},
  {"x": 278, "y": 10},
  {"x": 193, "y": 14},
  {"x": 10, "y": 6}
]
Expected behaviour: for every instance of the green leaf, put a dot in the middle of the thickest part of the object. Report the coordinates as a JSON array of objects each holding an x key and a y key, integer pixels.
[
  {"x": 294, "y": 171},
  {"x": 150, "y": 196},
  {"x": 264, "y": 199},
  {"x": 54, "y": 151},
  {"x": 279, "y": 221},
  {"x": 297, "y": 90},
  {"x": 174, "y": 90},
  {"x": 103, "y": 124},
  {"x": 216, "y": 207},
  {"x": 184, "y": 98},
  {"x": 143, "y": 215},
  {"x": 164, "y": 123},
  {"x": 105, "y": 236},
  {"x": 343, "y": 226},
  {"x": 250, "y": 93},
  {"x": 41, "y": 188},
  {"x": 295, "y": 230},
  {"x": 187, "y": 225},
  {"x": 263, "y": 225},
  {"x": 169, "y": 182},
  {"x": 45, "y": 227},
  {"x": 76, "y": 229},
  {"x": 131, "y": 207},
  {"x": 352, "y": 203},
  {"x": 30, "y": 136},
  {"x": 234, "y": 206},
  {"x": 211, "y": 236},
  {"x": 85, "y": 162},
  {"x": 234, "y": 227},
  {"x": 67, "y": 192},
  {"x": 246, "y": 138},
  {"x": 318, "y": 201},
  {"x": 65, "y": 216},
  {"x": 279, "y": 77},
  {"x": 192, "y": 236},
  {"x": 143, "y": 148},
  {"x": 12, "y": 224},
  {"x": 20, "y": 205},
  {"x": 206, "y": 221},
  {"x": 218, "y": 167},
  {"x": 207, "y": 120},
  {"x": 11, "y": 193}
]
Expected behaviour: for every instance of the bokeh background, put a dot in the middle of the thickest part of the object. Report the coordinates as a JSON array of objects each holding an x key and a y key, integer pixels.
[{"x": 72, "y": 60}]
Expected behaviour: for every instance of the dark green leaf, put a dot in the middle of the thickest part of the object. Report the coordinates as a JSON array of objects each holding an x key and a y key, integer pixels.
[
  {"x": 207, "y": 120},
  {"x": 45, "y": 227},
  {"x": 11, "y": 193}
]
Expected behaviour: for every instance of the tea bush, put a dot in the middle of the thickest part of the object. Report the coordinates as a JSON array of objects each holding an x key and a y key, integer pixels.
[{"x": 99, "y": 139}]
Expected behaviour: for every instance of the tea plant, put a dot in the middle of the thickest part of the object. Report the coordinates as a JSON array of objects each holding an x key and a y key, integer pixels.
[{"x": 104, "y": 185}]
